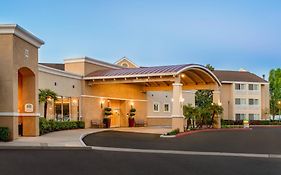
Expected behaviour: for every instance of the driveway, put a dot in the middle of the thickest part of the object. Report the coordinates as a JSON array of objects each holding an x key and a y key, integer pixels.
[{"x": 257, "y": 140}]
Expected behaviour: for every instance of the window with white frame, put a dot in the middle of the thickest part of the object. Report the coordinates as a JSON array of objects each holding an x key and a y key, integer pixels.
[
  {"x": 253, "y": 87},
  {"x": 166, "y": 107},
  {"x": 125, "y": 65},
  {"x": 253, "y": 102},
  {"x": 240, "y": 101},
  {"x": 240, "y": 116},
  {"x": 254, "y": 116},
  {"x": 156, "y": 107},
  {"x": 240, "y": 87}
]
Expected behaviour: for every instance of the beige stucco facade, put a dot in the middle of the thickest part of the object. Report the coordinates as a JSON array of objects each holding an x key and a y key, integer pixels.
[
  {"x": 19, "y": 77},
  {"x": 232, "y": 109},
  {"x": 157, "y": 98}
]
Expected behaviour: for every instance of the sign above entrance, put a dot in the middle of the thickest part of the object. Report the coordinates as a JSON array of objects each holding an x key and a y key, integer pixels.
[{"x": 28, "y": 107}]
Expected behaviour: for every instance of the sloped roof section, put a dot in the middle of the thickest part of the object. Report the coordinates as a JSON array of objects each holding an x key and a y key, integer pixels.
[
  {"x": 58, "y": 66},
  {"x": 172, "y": 69},
  {"x": 238, "y": 76}
]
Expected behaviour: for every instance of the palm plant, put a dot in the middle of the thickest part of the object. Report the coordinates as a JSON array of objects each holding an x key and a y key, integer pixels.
[
  {"x": 190, "y": 113},
  {"x": 215, "y": 109},
  {"x": 44, "y": 96}
]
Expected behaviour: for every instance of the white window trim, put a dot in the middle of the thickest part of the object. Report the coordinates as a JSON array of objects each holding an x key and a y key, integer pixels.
[
  {"x": 254, "y": 90},
  {"x": 168, "y": 105},
  {"x": 240, "y": 102},
  {"x": 123, "y": 65},
  {"x": 240, "y": 90},
  {"x": 254, "y": 102},
  {"x": 158, "y": 106}
]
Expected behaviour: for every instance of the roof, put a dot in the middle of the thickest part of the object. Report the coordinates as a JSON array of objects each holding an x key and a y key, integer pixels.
[
  {"x": 92, "y": 61},
  {"x": 126, "y": 59},
  {"x": 59, "y": 66},
  {"x": 238, "y": 76},
  {"x": 172, "y": 69},
  {"x": 21, "y": 33}
]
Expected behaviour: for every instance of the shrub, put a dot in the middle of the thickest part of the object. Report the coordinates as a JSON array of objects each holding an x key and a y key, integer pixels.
[
  {"x": 4, "y": 134},
  {"x": 174, "y": 132},
  {"x": 47, "y": 126},
  {"x": 81, "y": 124}
]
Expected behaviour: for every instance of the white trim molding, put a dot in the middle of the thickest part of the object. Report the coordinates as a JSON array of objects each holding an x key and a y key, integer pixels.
[
  {"x": 16, "y": 114},
  {"x": 244, "y": 82},
  {"x": 112, "y": 98},
  {"x": 21, "y": 33},
  {"x": 158, "y": 117},
  {"x": 62, "y": 73},
  {"x": 92, "y": 61},
  {"x": 126, "y": 59}
]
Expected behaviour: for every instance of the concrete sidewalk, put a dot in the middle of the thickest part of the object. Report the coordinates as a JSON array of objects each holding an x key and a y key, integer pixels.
[
  {"x": 67, "y": 138},
  {"x": 71, "y": 138}
]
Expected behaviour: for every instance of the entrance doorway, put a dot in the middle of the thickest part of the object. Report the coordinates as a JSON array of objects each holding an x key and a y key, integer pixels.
[{"x": 115, "y": 118}]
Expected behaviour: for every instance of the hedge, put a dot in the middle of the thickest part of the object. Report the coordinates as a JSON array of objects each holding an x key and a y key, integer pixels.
[
  {"x": 47, "y": 126},
  {"x": 251, "y": 122},
  {"x": 4, "y": 134}
]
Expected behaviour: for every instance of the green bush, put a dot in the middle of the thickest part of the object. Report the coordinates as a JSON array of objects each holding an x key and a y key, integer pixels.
[
  {"x": 47, "y": 126},
  {"x": 174, "y": 132},
  {"x": 4, "y": 134},
  {"x": 251, "y": 122}
]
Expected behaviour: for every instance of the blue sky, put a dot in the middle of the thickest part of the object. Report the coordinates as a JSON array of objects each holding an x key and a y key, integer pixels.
[{"x": 227, "y": 34}]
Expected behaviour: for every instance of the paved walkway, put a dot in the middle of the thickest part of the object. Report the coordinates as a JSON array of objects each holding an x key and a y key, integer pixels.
[{"x": 71, "y": 138}]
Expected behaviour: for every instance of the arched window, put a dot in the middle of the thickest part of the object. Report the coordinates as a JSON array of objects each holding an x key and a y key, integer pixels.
[{"x": 125, "y": 65}]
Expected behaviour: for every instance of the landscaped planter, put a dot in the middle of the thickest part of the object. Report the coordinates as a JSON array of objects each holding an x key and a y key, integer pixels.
[
  {"x": 131, "y": 122},
  {"x": 106, "y": 122}
]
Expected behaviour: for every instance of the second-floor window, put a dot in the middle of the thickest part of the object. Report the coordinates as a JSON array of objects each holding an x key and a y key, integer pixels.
[
  {"x": 240, "y": 87},
  {"x": 240, "y": 101},
  {"x": 253, "y": 87},
  {"x": 240, "y": 116},
  {"x": 253, "y": 101}
]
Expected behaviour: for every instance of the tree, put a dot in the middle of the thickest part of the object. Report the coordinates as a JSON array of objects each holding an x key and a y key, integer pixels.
[
  {"x": 210, "y": 67},
  {"x": 204, "y": 98},
  {"x": 215, "y": 109},
  {"x": 188, "y": 111},
  {"x": 275, "y": 90},
  {"x": 44, "y": 96}
]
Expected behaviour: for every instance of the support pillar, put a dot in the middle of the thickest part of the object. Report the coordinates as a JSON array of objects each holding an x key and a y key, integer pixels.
[
  {"x": 177, "y": 112},
  {"x": 216, "y": 100}
]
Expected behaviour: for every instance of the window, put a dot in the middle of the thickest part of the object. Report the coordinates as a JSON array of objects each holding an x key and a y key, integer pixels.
[
  {"x": 254, "y": 116},
  {"x": 253, "y": 101},
  {"x": 155, "y": 107},
  {"x": 125, "y": 65},
  {"x": 240, "y": 86},
  {"x": 166, "y": 107},
  {"x": 240, "y": 101},
  {"x": 253, "y": 87},
  {"x": 240, "y": 116}
]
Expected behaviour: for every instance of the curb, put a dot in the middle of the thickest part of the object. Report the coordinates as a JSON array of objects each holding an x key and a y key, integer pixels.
[
  {"x": 212, "y": 130},
  {"x": 82, "y": 136},
  {"x": 44, "y": 148}
]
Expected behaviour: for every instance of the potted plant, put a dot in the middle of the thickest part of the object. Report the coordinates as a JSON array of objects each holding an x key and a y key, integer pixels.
[
  {"x": 107, "y": 114},
  {"x": 131, "y": 117}
]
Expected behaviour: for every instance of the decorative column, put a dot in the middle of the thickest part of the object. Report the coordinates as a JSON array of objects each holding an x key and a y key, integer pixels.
[
  {"x": 217, "y": 100},
  {"x": 177, "y": 112}
]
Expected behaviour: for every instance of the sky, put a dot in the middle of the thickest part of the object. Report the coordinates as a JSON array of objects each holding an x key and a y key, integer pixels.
[{"x": 226, "y": 34}]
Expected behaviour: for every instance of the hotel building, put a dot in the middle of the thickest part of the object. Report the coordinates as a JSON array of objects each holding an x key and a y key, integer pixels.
[{"x": 86, "y": 85}]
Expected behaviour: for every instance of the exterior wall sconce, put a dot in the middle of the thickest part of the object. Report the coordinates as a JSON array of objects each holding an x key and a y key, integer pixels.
[
  {"x": 101, "y": 103},
  {"x": 132, "y": 104},
  {"x": 182, "y": 100}
]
